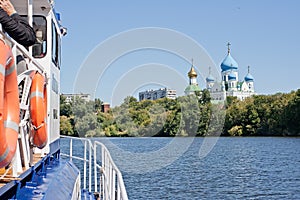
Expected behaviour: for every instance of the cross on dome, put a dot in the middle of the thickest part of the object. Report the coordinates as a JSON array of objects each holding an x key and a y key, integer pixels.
[{"x": 228, "y": 46}]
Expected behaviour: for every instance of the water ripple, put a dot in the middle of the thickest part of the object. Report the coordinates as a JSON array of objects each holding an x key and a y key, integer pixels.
[{"x": 237, "y": 168}]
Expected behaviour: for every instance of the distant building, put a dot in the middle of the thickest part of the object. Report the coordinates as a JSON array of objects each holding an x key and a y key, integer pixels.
[
  {"x": 193, "y": 86},
  {"x": 71, "y": 97},
  {"x": 105, "y": 107},
  {"x": 230, "y": 84},
  {"x": 157, "y": 94}
]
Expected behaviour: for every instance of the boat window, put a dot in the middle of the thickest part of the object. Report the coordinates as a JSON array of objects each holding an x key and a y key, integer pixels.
[
  {"x": 55, "y": 114},
  {"x": 39, "y": 49},
  {"x": 55, "y": 46}
]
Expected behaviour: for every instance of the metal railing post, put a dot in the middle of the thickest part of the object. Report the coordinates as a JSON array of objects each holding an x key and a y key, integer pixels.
[
  {"x": 90, "y": 167},
  {"x": 84, "y": 166},
  {"x": 111, "y": 184},
  {"x": 71, "y": 149},
  {"x": 95, "y": 167}
]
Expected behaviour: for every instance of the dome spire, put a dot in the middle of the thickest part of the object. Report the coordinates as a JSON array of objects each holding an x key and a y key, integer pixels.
[
  {"x": 228, "y": 47},
  {"x": 229, "y": 63},
  {"x": 192, "y": 73},
  {"x": 249, "y": 77},
  {"x": 209, "y": 78},
  {"x": 193, "y": 86}
]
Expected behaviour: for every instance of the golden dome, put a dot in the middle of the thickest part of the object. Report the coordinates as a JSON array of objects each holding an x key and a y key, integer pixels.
[{"x": 192, "y": 73}]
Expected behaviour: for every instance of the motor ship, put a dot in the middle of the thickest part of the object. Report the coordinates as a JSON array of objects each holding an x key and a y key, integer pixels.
[{"x": 33, "y": 165}]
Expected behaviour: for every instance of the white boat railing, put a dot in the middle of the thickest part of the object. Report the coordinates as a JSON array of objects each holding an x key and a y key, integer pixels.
[
  {"x": 25, "y": 154},
  {"x": 30, "y": 61},
  {"x": 108, "y": 180}
]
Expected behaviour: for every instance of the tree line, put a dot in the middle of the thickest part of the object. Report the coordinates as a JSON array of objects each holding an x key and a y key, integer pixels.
[{"x": 193, "y": 115}]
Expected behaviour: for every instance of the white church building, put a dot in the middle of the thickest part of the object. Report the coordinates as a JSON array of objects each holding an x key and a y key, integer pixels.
[{"x": 230, "y": 85}]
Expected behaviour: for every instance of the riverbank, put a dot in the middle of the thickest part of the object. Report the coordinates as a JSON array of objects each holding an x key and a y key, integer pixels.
[{"x": 260, "y": 115}]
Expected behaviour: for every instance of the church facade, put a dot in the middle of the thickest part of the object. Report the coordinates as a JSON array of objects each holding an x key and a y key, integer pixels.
[{"x": 230, "y": 84}]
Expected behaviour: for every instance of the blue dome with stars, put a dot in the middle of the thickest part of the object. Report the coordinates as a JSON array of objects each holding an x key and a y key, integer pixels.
[
  {"x": 210, "y": 78},
  {"x": 249, "y": 77},
  {"x": 229, "y": 63}
]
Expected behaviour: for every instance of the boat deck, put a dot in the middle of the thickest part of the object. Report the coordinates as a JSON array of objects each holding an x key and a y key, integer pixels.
[{"x": 6, "y": 173}]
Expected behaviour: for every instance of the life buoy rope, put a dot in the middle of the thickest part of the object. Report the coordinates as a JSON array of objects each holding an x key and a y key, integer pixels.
[
  {"x": 9, "y": 105},
  {"x": 38, "y": 111}
]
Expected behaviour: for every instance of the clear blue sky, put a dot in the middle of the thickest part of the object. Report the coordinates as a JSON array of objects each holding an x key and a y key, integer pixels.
[{"x": 264, "y": 34}]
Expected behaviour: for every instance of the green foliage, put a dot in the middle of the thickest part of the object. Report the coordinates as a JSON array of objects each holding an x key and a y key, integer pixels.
[
  {"x": 236, "y": 131},
  {"x": 98, "y": 104},
  {"x": 263, "y": 115},
  {"x": 65, "y": 126},
  {"x": 65, "y": 108},
  {"x": 260, "y": 115},
  {"x": 86, "y": 123},
  {"x": 292, "y": 115}
]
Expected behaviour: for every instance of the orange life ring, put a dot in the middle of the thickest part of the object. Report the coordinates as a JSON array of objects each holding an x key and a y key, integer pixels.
[
  {"x": 9, "y": 105},
  {"x": 38, "y": 111}
]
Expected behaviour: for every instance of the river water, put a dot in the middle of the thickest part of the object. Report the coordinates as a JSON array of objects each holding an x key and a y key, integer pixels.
[{"x": 235, "y": 168}]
